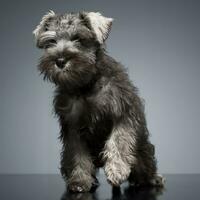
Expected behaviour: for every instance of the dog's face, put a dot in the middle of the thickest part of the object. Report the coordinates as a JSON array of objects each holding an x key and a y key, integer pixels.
[{"x": 70, "y": 43}]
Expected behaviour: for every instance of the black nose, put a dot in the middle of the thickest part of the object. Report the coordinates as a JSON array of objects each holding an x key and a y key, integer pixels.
[{"x": 60, "y": 62}]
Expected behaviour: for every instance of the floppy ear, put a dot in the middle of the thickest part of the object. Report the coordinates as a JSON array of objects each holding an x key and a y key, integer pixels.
[
  {"x": 41, "y": 25},
  {"x": 99, "y": 24}
]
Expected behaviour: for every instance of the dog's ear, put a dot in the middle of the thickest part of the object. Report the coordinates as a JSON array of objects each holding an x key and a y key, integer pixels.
[
  {"x": 41, "y": 26},
  {"x": 99, "y": 24}
]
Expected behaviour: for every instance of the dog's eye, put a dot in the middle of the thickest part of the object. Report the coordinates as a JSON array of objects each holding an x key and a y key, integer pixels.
[
  {"x": 75, "y": 37},
  {"x": 49, "y": 43},
  {"x": 86, "y": 42}
]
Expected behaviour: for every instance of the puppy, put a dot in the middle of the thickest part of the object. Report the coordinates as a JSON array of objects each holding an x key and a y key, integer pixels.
[{"x": 101, "y": 116}]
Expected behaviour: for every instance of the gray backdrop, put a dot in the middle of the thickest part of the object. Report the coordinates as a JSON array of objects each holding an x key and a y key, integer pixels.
[{"x": 159, "y": 41}]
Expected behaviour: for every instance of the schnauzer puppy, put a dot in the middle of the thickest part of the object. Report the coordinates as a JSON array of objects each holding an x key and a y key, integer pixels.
[{"x": 100, "y": 113}]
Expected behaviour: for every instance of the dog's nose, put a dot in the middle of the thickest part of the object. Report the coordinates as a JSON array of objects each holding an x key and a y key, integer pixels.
[{"x": 60, "y": 62}]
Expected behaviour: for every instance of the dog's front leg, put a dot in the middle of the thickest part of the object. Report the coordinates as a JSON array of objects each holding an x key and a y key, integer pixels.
[
  {"x": 119, "y": 154},
  {"x": 76, "y": 164}
]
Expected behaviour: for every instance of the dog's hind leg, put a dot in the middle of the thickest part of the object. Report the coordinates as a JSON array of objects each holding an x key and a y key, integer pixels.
[{"x": 144, "y": 173}]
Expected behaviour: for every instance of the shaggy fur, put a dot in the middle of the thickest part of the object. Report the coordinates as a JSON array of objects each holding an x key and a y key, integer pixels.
[{"x": 100, "y": 113}]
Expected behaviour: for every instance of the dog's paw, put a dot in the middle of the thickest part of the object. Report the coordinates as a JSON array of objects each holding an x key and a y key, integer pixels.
[
  {"x": 76, "y": 187},
  {"x": 158, "y": 180},
  {"x": 79, "y": 187},
  {"x": 116, "y": 171},
  {"x": 83, "y": 186}
]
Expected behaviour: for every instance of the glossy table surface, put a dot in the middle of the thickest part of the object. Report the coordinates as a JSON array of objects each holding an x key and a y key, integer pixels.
[{"x": 52, "y": 187}]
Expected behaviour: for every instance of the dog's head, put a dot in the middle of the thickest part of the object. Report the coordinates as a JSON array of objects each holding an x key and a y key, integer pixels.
[{"x": 70, "y": 43}]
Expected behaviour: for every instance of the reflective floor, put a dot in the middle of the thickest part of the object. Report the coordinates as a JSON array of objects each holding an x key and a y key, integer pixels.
[{"x": 52, "y": 187}]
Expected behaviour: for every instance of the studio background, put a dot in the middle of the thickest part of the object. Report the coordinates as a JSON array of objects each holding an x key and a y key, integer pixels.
[{"x": 159, "y": 42}]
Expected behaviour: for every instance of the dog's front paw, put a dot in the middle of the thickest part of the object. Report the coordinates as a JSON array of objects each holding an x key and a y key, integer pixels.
[
  {"x": 76, "y": 187},
  {"x": 116, "y": 171},
  {"x": 158, "y": 180},
  {"x": 83, "y": 185},
  {"x": 79, "y": 187}
]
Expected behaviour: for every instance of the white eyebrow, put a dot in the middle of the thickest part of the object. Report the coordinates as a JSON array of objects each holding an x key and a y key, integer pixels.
[{"x": 48, "y": 34}]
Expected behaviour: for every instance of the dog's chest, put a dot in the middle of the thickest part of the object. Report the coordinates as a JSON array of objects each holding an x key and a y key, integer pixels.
[
  {"x": 73, "y": 109},
  {"x": 80, "y": 113}
]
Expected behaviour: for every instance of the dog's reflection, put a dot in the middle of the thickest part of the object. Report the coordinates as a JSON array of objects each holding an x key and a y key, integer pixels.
[
  {"x": 79, "y": 196},
  {"x": 127, "y": 193},
  {"x": 145, "y": 193}
]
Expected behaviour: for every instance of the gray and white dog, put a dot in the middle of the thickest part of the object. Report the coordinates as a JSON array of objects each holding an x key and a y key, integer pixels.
[{"x": 100, "y": 113}]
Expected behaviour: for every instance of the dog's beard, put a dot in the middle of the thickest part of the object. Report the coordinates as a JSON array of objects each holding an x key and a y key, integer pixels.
[{"x": 76, "y": 73}]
